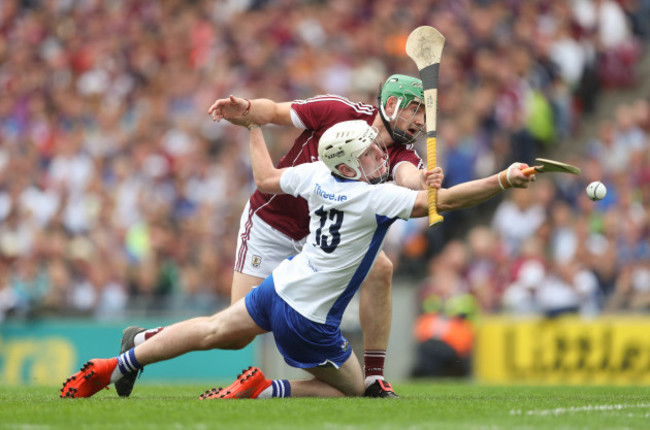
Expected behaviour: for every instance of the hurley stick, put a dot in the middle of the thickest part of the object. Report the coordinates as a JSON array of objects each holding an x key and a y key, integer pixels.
[{"x": 424, "y": 46}]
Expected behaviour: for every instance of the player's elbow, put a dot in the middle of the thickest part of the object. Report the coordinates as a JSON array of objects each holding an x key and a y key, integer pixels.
[
  {"x": 263, "y": 184},
  {"x": 269, "y": 184},
  {"x": 267, "y": 179}
]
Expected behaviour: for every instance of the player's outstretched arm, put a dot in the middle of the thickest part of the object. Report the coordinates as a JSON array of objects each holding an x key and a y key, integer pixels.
[
  {"x": 258, "y": 111},
  {"x": 267, "y": 177},
  {"x": 474, "y": 192}
]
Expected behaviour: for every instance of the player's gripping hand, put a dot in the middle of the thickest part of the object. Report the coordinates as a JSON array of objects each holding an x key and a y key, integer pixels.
[
  {"x": 433, "y": 178},
  {"x": 229, "y": 109},
  {"x": 513, "y": 177}
]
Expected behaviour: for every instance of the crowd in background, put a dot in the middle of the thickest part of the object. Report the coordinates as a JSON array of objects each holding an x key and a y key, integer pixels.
[{"x": 119, "y": 194}]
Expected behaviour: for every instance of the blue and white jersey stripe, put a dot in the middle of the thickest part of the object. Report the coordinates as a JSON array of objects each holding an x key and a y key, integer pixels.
[{"x": 336, "y": 312}]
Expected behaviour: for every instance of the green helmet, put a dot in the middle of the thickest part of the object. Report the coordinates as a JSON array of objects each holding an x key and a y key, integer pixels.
[{"x": 406, "y": 89}]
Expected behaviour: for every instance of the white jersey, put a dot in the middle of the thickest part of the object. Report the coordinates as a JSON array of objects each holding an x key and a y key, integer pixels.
[{"x": 348, "y": 223}]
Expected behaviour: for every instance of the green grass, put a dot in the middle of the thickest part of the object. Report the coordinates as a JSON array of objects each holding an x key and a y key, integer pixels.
[{"x": 426, "y": 405}]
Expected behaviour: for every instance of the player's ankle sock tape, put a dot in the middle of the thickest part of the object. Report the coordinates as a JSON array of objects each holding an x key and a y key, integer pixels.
[
  {"x": 128, "y": 363},
  {"x": 281, "y": 388}
]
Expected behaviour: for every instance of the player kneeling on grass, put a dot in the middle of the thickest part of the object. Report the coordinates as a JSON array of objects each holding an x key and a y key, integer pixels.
[{"x": 302, "y": 302}]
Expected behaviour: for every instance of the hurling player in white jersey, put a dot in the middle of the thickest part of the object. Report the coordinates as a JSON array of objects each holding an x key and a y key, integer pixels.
[{"x": 303, "y": 300}]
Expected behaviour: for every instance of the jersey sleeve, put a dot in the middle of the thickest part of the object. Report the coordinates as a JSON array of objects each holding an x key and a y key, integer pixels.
[
  {"x": 393, "y": 201},
  {"x": 399, "y": 154},
  {"x": 297, "y": 180},
  {"x": 322, "y": 112}
]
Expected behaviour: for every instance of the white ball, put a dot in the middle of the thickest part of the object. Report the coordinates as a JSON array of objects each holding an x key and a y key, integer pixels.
[{"x": 596, "y": 191}]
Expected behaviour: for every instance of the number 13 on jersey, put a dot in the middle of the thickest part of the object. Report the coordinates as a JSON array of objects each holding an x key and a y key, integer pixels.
[{"x": 329, "y": 238}]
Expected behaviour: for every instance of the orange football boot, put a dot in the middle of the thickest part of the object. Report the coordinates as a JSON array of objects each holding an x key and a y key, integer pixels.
[
  {"x": 94, "y": 376},
  {"x": 249, "y": 384}
]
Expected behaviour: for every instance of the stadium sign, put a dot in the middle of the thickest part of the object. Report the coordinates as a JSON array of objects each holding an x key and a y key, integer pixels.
[{"x": 570, "y": 350}]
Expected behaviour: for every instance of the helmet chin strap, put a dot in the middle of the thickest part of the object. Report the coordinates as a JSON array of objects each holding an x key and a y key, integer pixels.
[
  {"x": 379, "y": 179},
  {"x": 399, "y": 136}
]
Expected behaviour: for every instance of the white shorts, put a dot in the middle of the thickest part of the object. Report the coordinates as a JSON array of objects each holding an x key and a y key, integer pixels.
[{"x": 260, "y": 247}]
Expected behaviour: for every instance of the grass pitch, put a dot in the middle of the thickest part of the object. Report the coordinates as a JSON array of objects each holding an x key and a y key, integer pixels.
[{"x": 424, "y": 405}]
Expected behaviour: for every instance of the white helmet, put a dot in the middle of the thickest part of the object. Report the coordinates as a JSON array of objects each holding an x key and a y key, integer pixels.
[{"x": 344, "y": 143}]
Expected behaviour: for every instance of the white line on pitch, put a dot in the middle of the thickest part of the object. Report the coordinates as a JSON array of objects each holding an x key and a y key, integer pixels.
[{"x": 573, "y": 409}]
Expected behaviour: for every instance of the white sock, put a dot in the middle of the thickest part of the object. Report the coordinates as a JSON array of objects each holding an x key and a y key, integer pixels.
[
  {"x": 267, "y": 393},
  {"x": 139, "y": 338},
  {"x": 371, "y": 380},
  {"x": 116, "y": 374},
  {"x": 146, "y": 334}
]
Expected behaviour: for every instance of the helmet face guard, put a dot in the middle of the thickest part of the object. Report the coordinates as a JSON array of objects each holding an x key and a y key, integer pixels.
[
  {"x": 344, "y": 143},
  {"x": 406, "y": 90}
]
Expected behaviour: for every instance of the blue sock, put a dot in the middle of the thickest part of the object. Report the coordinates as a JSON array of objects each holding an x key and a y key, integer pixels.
[
  {"x": 127, "y": 362},
  {"x": 281, "y": 388}
]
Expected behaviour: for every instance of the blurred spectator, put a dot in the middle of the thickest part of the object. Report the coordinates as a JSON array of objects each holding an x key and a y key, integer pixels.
[
  {"x": 517, "y": 219},
  {"x": 520, "y": 297},
  {"x": 551, "y": 289},
  {"x": 485, "y": 269},
  {"x": 609, "y": 150},
  {"x": 569, "y": 289},
  {"x": 605, "y": 22}
]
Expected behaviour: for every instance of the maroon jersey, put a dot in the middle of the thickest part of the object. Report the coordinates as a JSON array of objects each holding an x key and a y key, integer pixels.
[{"x": 289, "y": 214}]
